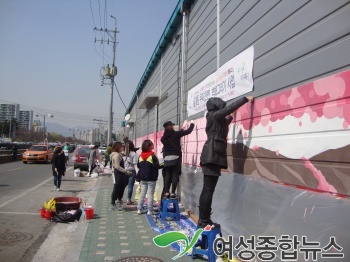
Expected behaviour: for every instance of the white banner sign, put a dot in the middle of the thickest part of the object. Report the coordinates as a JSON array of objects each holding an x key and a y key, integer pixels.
[{"x": 231, "y": 80}]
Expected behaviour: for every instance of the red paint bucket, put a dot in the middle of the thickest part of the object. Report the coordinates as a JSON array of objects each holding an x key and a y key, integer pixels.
[
  {"x": 48, "y": 214},
  {"x": 89, "y": 212},
  {"x": 42, "y": 212}
]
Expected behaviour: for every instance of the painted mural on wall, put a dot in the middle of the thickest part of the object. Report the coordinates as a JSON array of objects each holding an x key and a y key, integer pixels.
[{"x": 300, "y": 136}]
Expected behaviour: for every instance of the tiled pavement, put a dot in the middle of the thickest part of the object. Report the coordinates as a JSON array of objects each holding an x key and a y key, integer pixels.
[{"x": 113, "y": 235}]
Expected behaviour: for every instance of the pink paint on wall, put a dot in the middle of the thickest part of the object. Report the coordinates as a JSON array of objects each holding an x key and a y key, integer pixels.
[
  {"x": 327, "y": 97},
  {"x": 322, "y": 182},
  {"x": 256, "y": 147}
]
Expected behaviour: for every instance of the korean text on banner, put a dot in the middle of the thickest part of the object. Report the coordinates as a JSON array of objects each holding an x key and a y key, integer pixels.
[{"x": 231, "y": 80}]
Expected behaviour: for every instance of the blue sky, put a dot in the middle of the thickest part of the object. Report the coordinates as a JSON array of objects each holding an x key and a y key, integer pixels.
[{"x": 50, "y": 63}]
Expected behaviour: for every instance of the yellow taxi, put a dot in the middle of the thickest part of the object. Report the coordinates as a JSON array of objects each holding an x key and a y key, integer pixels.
[{"x": 37, "y": 153}]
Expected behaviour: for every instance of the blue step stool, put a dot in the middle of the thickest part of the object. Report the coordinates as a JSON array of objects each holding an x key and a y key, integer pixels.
[
  {"x": 172, "y": 212},
  {"x": 205, "y": 245}
]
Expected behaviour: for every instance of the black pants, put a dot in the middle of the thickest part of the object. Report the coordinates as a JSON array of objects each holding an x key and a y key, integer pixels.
[
  {"x": 119, "y": 186},
  {"x": 92, "y": 168},
  {"x": 206, "y": 198},
  {"x": 107, "y": 159},
  {"x": 172, "y": 177}
]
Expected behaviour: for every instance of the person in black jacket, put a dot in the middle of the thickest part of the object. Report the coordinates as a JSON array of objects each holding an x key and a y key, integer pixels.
[
  {"x": 148, "y": 165},
  {"x": 214, "y": 155},
  {"x": 58, "y": 167},
  {"x": 172, "y": 156}
]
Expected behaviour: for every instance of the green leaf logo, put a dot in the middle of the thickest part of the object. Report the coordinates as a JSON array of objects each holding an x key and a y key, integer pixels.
[{"x": 168, "y": 238}]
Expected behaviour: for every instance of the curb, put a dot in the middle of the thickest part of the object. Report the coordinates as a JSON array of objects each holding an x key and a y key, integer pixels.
[{"x": 73, "y": 252}]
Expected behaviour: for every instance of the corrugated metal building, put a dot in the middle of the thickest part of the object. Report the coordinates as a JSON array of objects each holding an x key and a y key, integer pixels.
[{"x": 293, "y": 144}]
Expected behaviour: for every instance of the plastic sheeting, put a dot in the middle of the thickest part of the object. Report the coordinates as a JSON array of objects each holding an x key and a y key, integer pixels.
[{"x": 247, "y": 206}]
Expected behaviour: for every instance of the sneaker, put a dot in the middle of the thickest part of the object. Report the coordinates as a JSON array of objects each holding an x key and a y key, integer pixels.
[
  {"x": 173, "y": 196},
  {"x": 130, "y": 202},
  {"x": 140, "y": 212},
  {"x": 54, "y": 188},
  {"x": 57, "y": 189},
  {"x": 202, "y": 223},
  {"x": 119, "y": 205},
  {"x": 167, "y": 195},
  {"x": 112, "y": 207},
  {"x": 151, "y": 213}
]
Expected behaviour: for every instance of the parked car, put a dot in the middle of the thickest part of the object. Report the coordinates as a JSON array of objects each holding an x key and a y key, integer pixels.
[
  {"x": 81, "y": 156},
  {"x": 37, "y": 153},
  {"x": 102, "y": 150}
]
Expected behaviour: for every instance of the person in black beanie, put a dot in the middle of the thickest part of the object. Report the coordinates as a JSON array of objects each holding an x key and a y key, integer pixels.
[
  {"x": 214, "y": 154},
  {"x": 58, "y": 167},
  {"x": 172, "y": 156}
]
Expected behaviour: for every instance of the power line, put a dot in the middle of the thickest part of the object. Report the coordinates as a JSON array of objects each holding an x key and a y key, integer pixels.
[
  {"x": 110, "y": 72},
  {"x": 92, "y": 14},
  {"x": 93, "y": 19},
  {"x": 99, "y": 10},
  {"x": 58, "y": 114},
  {"x": 97, "y": 50},
  {"x": 103, "y": 51},
  {"x": 105, "y": 14},
  {"x": 66, "y": 117},
  {"x": 119, "y": 95}
]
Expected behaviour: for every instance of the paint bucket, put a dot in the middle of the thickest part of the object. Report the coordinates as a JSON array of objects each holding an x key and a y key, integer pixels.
[
  {"x": 76, "y": 172},
  {"x": 89, "y": 212},
  {"x": 49, "y": 214},
  {"x": 42, "y": 212},
  {"x": 72, "y": 202}
]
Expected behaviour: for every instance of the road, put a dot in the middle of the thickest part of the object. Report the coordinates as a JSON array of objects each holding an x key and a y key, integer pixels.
[{"x": 23, "y": 189}]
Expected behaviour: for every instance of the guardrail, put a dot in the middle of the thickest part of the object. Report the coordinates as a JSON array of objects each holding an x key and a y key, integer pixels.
[{"x": 6, "y": 156}]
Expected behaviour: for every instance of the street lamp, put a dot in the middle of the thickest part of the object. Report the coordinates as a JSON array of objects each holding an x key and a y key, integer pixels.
[{"x": 44, "y": 116}]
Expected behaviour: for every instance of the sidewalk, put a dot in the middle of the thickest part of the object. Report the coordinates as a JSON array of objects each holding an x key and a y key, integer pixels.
[{"x": 109, "y": 236}]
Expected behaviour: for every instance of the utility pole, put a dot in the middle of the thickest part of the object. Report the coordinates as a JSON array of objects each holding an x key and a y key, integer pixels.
[{"x": 110, "y": 73}]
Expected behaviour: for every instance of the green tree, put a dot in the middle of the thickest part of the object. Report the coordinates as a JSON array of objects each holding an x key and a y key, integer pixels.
[{"x": 8, "y": 127}]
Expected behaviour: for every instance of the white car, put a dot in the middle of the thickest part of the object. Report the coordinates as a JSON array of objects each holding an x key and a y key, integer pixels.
[{"x": 102, "y": 150}]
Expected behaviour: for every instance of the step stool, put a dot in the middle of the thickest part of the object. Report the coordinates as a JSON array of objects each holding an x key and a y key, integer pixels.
[
  {"x": 205, "y": 246},
  {"x": 170, "y": 212}
]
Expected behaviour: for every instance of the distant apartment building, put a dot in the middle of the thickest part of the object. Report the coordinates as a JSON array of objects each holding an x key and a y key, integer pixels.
[
  {"x": 25, "y": 120},
  {"x": 9, "y": 111}
]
